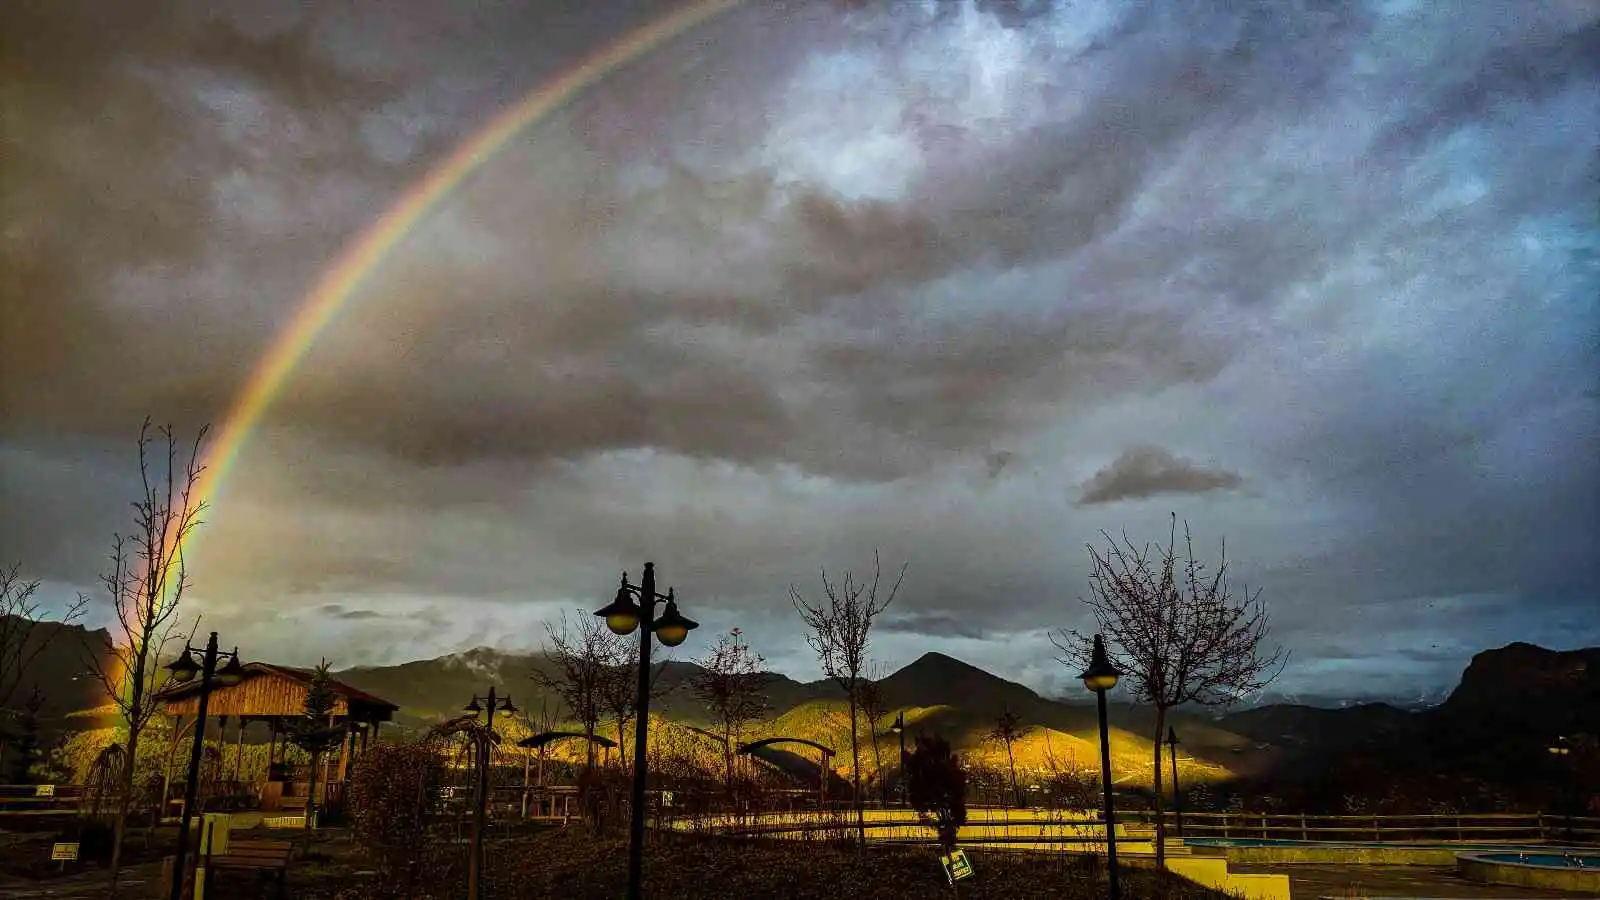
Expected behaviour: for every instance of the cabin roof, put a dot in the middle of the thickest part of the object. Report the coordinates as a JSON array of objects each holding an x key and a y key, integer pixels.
[{"x": 177, "y": 694}]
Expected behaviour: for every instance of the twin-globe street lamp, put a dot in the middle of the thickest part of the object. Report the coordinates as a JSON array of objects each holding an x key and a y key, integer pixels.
[
  {"x": 183, "y": 670},
  {"x": 1101, "y": 676},
  {"x": 622, "y": 616},
  {"x": 483, "y": 747}
]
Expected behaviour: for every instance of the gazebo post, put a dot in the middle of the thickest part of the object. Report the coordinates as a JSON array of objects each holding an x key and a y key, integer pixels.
[
  {"x": 238, "y": 752},
  {"x": 166, "y": 770}
]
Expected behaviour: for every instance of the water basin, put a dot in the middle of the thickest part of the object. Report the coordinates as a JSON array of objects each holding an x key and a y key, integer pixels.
[{"x": 1541, "y": 869}]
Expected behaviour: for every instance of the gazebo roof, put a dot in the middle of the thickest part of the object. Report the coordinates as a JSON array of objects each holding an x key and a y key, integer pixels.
[{"x": 269, "y": 691}]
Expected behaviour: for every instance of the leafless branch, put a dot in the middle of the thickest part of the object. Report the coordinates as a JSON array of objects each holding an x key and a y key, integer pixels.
[
  {"x": 146, "y": 584},
  {"x": 21, "y": 639},
  {"x": 1178, "y": 633},
  {"x": 732, "y": 685},
  {"x": 840, "y": 631}
]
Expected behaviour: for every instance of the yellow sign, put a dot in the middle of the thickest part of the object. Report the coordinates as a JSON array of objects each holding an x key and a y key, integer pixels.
[
  {"x": 956, "y": 866},
  {"x": 63, "y": 852},
  {"x": 44, "y": 790}
]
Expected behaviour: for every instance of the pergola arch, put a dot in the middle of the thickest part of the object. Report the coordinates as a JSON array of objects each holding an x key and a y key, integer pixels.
[
  {"x": 822, "y": 768},
  {"x": 767, "y": 742},
  {"x": 549, "y": 737}
]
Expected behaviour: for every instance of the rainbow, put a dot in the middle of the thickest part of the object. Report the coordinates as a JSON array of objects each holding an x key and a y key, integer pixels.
[{"x": 340, "y": 281}]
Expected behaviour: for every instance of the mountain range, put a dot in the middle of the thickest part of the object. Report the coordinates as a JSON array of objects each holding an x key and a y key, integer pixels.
[{"x": 1487, "y": 736}]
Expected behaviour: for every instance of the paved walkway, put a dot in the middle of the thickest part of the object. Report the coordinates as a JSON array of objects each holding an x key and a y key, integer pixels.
[
  {"x": 1411, "y": 882},
  {"x": 137, "y": 883}
]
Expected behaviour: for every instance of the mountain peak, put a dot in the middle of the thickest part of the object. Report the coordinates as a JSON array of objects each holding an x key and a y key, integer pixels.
[
  {"x": 934, "y": 661},
  {"x": 936, "y": 679}
]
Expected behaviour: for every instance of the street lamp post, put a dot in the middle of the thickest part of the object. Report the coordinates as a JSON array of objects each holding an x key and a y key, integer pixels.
[
  {"x": 899, "y": 728},
  {"x": 490, "y": 704},
  {"x": 1101, "y": 676},
  {"x": 1560, "y": 750},
  {"x": 622, "y": 616},
  {"x": 183, "y": 670},
  {"x": 1177, "y": 797}
]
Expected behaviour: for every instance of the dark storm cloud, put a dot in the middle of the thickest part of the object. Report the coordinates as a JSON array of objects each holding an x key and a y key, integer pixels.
[
  {"x": 335, "y": 611},
  {"x": 941, "y": 624},
  {"x": 809, "y": 284},
  {"x": 1142, "y": 472}
]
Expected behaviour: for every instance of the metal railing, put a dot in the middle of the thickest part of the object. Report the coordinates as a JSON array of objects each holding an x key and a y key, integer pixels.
[
  {"x": 1467, "y": 828},
  {"x": 1488, "y": 828}
]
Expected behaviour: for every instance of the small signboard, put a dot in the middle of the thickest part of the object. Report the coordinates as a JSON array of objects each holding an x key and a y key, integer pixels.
[
  {"x": 44, "y": 790},
  {"x": 64, "y": 853},
  {"x": 956, "y": 866},
  {"x": 666, "y": 798}
]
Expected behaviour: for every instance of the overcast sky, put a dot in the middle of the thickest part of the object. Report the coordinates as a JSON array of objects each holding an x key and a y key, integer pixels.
[{"x": 962, "y": 282}]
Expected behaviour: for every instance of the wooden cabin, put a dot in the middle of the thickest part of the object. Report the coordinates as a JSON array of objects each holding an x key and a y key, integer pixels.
[{"x": 272, "y": 698}]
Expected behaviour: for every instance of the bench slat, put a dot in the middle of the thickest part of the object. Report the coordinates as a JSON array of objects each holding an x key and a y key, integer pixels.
[{"x": 248, "y": 862}]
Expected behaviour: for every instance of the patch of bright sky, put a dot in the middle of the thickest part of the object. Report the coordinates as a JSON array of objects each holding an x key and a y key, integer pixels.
[
  {"x": 842, "y": 127},
  {"x": 863, "y": 121}
]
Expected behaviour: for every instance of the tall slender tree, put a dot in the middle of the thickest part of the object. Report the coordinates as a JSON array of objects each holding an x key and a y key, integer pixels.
[
  {"x": 316, "y": 733},
  {"x": 1179, "y": 634},
  {"x": 146, "y": 585},
  {"x": 27, "y": 751},
  {"x": 872, "y": 712},
  {"x": 840, "y": 631},
  {"x": 1007, "y": 730},
  {"x": 732, "y": 685}
]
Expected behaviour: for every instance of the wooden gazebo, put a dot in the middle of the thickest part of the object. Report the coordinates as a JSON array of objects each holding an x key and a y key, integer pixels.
[{"x": 276, "y": 696}]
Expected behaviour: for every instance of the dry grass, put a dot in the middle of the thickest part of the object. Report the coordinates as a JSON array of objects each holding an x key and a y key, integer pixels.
[{"x": 573, "y": 863}]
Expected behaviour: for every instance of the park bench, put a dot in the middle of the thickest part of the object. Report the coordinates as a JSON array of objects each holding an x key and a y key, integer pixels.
[{"x": 268, "y": 858}]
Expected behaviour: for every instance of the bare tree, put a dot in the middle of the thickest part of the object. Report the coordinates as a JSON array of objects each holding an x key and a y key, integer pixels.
[
  {"x": 619, "y": 687},
  {"x": 146, "y": 584},
  {"x": 1007, "y": 731},
  {"x": 732, "y": 685},
  {"x": 582, "y": 663},
  {"x": 1178, "y": 634},
  {"x": 841, "y": 629},
  {"x": 20, "y": 640},
  {"x": 619, "y": 684},
  {"x": 873, "y": 710}
]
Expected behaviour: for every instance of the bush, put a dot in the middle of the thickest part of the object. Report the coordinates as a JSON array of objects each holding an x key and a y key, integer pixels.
[
  {"x": 937, "y": 785},
  {"x": 388, "y": 799}
]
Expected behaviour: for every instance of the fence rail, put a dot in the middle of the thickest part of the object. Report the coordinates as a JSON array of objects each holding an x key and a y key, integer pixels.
[
  {"x": 560, "y": 802},
  {"x": 1484, "y": 827},
  {"x": 39, "y": 800}
]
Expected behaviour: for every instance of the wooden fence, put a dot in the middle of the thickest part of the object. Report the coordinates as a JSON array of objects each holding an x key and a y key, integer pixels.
[
  {"x": 37, "y": 801},
  {"x": 559, "y": 803}
]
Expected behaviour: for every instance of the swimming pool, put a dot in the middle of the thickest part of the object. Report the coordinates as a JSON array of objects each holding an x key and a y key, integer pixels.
[
  {"x": 1542, "y": 869},
  {"x": 1558, "y": 860},
  {"x": 1277, "y": 851}
]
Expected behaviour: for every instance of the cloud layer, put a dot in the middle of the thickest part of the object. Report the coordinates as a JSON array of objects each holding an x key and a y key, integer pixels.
[{"x": 964, "y": 282}]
